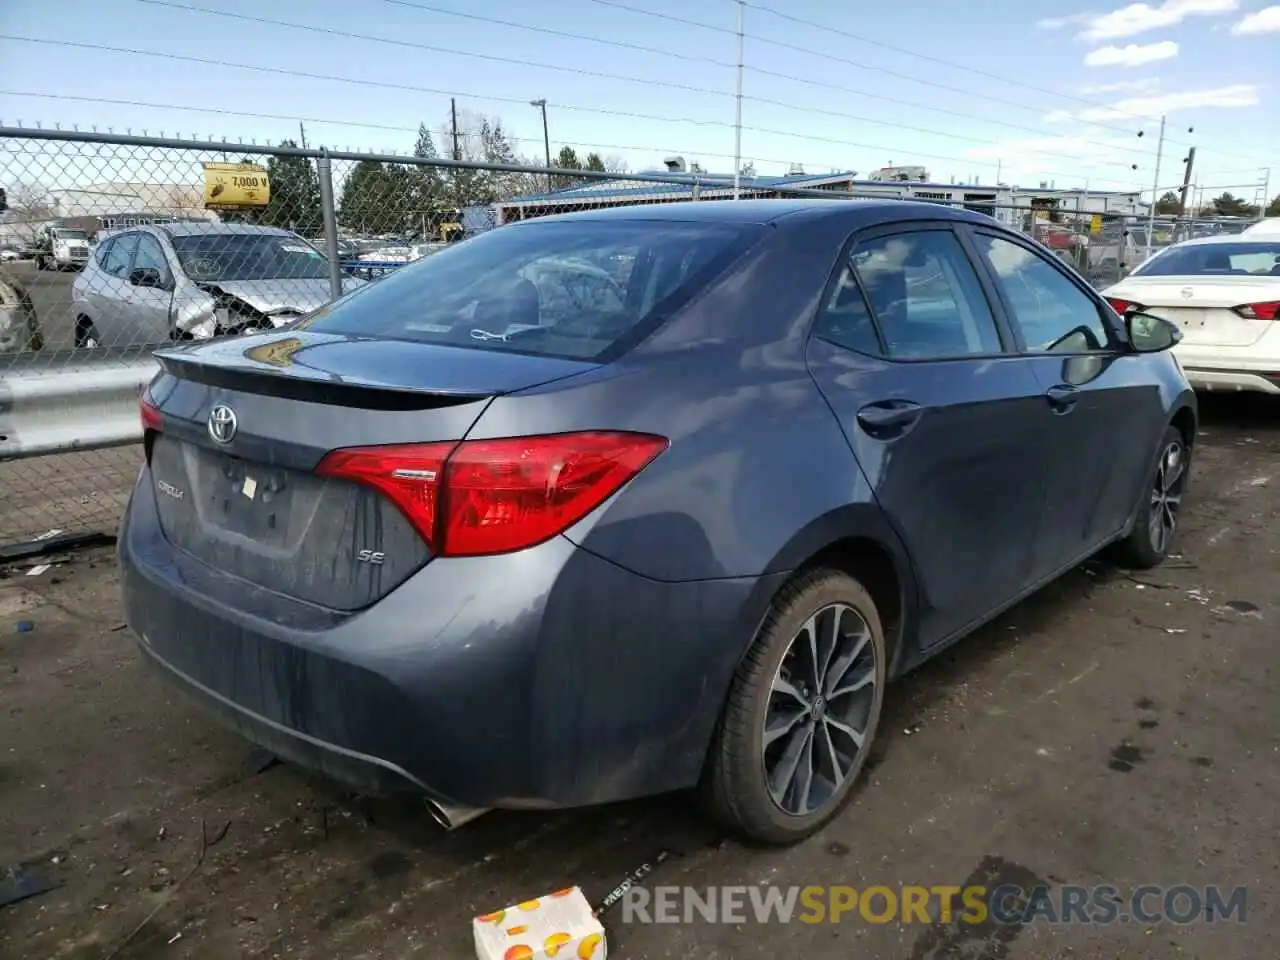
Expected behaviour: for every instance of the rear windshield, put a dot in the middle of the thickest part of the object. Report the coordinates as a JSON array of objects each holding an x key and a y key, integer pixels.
[
  {"x": 578, "y": 289},
  {"x": 1215, "y": 260},
  {"x": 210, "y": 257}
]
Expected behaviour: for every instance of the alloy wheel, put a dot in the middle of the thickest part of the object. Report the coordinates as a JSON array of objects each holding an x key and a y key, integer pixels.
[
  {"x": 819, "y": 710},
  {"x": 1166, "y": 496}
]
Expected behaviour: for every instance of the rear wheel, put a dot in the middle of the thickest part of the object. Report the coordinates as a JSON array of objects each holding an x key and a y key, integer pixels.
[
  {"x": 1152, "y": 536},
  {"x": 802, "y": 712}
]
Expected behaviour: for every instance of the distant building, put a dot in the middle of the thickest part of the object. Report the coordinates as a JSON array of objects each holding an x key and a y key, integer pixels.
[
  {"x": 117, "y": 205},
  {"x": 1012, "y": 205}
]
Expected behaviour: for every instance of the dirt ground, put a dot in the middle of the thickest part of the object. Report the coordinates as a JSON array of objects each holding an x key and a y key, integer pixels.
[{"x": 1112, "y": 729}]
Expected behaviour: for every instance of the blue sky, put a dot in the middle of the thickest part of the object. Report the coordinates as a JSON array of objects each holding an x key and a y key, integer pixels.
[{"x": 1055, "y": 90}]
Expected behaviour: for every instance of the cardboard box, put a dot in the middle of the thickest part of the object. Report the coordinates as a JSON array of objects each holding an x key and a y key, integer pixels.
[{"x": 559, "y": 926}]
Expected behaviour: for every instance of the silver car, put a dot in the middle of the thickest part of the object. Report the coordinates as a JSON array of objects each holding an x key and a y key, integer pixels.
[{"x": 192, "y": 281}]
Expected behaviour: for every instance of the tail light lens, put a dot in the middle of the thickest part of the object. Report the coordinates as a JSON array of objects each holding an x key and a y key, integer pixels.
[
  {"x": 151, "y": 422},
  {"x": 1258, "y": 311},
  {"x": 482, "y": 497},
  {"x": 1124, "y": 306}
]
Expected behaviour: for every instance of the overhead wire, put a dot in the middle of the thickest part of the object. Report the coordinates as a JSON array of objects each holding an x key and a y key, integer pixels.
[
  {"x": 941, "y": 61},
  {"x": 840, "y": 114},
  {"x": 283, "y": 71},
  {"x": 809, "y": 51},
  {"x": 363, "y": 124}
]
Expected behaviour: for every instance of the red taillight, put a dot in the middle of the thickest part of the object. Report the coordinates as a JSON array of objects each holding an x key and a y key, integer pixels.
[
  {"x": 151, "y": 423},
  {"x": 1258, "y": 311},
  {"x": 496, "y": 496},
  {"x": 150, "y": 414},
  {"x": 1123, "y": 306}
]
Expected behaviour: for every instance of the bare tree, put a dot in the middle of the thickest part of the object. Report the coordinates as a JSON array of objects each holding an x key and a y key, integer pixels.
[{"x": 30, "y": 206}]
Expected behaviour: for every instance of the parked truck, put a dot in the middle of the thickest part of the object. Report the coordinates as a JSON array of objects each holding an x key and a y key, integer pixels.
[{"x": 61, "y": 248}]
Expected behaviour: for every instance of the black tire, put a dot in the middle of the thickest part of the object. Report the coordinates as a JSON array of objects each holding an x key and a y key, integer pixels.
[
  {"x": 735, "y": 785},
  {"x": 1161, "y": 502},
  {"x": 86, "y": 334}
]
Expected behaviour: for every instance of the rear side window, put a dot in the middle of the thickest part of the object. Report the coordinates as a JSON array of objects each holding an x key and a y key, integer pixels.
[
  {"x": 578, "y": 289},
  {"x": 926, "y": 296}
]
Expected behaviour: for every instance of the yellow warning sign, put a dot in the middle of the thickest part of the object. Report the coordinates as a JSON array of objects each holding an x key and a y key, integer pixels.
[{"x": 232, "y": 185}]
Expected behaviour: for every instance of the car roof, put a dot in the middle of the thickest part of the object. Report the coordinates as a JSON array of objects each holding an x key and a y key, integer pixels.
[
  {"x": 207, "y": 228},
  {"x": 858, "y": 212}
]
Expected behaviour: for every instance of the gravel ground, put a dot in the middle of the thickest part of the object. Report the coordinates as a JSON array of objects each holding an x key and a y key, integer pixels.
[{"x": 1111, "y": 729}]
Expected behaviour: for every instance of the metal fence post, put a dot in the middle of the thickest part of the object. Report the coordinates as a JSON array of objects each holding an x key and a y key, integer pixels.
[{"x": 325, "y": 172}]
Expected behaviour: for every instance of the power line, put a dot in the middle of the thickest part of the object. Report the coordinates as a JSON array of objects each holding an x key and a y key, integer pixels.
[
  {"x": 493, "y": 58},
  {"x": 621, "y": 44},
  {"x": 329, "y": 121},
  {"x": 809, "y": 51},
  {"x": 282, "y": 71},
  {"x": 841, "y": 114},
  {"x": 827, "y": 28}
]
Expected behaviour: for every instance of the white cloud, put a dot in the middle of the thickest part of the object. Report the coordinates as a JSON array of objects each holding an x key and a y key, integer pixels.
[
  {"x": 1266, "y": 20},
  {"x": 1132, "y": 55},
  {"x": 1233, "y": 97},
  {"x": 1141, "y": 17},
  {"x": 1145, "y": 85}
]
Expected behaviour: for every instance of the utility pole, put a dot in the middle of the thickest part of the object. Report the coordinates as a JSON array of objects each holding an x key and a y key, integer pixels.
[
  {"x": 1186, "y": 182},
  {"x": 546, "y": 135},
  {"x": 303, "y": 131},
  {"x": 737, "y": 121},
  {"x": 453, "y": 115},
  {"x": 1155, "y": 185}
]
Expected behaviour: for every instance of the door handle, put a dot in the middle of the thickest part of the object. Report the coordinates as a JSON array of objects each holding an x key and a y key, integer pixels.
[
  {"x": 1062, "y": 397},
  {"x": 889, "y": 417}
]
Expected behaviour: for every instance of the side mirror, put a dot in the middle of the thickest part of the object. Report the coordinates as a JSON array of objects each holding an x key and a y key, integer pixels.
[
  {"x": 146, "y": 277},
  {"x": 1148, "y": 334}
]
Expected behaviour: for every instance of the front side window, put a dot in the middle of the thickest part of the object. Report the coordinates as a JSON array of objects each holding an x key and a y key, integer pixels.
[
  {"x": 150, "y": 256},
  {"x": 226, "y": 256},
  {"x": 571, "y": 289},
  {"x": 1053, "y": 314},
  {"x": 120, "y": 254},
  {"x": 926, "y": 296}
]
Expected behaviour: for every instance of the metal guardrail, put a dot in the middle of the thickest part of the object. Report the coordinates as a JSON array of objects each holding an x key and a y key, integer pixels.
[{"x": 88, "y": 404}]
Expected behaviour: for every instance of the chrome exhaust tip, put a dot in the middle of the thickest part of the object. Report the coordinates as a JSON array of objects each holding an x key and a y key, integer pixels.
[{"x": 450, "y": 816}]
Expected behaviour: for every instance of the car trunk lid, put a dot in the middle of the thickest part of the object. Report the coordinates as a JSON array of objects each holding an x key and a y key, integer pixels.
[
  {"x": 245, "y": 421},
  {"x": 1205, "y": 307}
]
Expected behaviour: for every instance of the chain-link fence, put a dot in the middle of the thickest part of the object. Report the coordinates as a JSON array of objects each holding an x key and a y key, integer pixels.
[{"x": 112, "y": 246}]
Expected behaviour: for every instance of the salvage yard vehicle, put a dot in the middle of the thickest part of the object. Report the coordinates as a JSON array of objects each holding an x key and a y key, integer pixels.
[
  {"x": 1223, "y": 292},
  {"x": 19, "y": 326},
  {"x": 195, "y": 280},
  {"x": 513, "y": 554},
  {"x": 60, "y": 248}
]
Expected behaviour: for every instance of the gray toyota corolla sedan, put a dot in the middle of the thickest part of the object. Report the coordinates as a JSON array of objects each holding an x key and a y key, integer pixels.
[{"x": 631, "y": 501}]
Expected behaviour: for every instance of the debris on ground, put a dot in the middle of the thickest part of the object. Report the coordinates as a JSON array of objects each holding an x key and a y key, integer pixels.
[
  {"x": 559, "y": 924},
  {"x": 611, "y": 899},
  {"x": 25, "y": 626}
]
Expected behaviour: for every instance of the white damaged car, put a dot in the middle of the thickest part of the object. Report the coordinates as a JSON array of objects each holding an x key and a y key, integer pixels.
[{"x": 195, "y": 280}]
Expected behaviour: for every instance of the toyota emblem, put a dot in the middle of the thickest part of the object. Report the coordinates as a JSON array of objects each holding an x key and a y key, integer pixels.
[{"x": 222, "y": 423}]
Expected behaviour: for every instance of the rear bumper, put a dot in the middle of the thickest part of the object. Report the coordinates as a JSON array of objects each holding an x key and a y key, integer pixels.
[
  {"x": 545, "y": 678},
  {"x": 1254, "y": 368}
]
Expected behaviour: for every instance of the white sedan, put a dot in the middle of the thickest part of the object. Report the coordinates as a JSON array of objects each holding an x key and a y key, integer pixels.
[{"x": 1224, "y": 293}]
